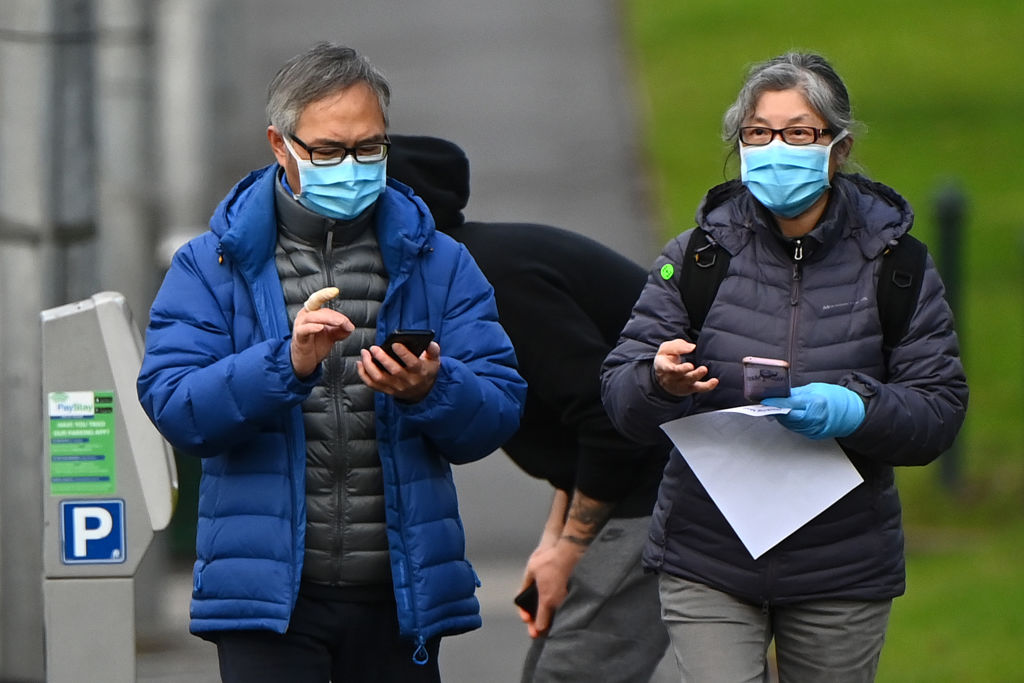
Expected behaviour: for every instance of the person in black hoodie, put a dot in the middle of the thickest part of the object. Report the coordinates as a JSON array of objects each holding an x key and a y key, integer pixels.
[{"x": 563, "y": 299}]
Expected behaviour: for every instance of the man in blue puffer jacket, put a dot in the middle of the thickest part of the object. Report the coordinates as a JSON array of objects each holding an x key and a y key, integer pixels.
[{"x": 329, "y": 543}]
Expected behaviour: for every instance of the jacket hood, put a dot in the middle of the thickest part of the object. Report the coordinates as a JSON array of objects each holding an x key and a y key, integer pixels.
[
  {"x": 873, "y": 213},
  {"x": 245, "y": 220},
  {"x": 437, "y": 170}
]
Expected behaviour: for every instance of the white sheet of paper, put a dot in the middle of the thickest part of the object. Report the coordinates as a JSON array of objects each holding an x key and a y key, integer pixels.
[{"x": 767, "y": 481}]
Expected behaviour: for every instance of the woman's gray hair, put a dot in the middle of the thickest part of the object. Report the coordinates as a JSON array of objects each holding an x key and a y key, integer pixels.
[
  {"x": 807, "y": 72},
  {"x": 323, "y": 70}
]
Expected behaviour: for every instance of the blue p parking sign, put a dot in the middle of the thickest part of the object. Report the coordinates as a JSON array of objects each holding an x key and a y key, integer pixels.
[{"x": 92, "y": 531}]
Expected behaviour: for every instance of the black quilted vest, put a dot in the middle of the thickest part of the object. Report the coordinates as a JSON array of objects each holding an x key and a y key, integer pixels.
[{"x": 346, "y": 541}]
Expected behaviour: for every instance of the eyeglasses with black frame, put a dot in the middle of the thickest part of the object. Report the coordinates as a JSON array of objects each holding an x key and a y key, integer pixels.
[
  {"x": 332, "y": 155},
  {"x": 791, "y": 135}
]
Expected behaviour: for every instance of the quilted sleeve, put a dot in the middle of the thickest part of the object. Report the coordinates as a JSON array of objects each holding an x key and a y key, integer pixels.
[
  {"x": 478, "y": 396},
  {"x": 634, "y": 400},
  {"x": 915, "y": 415},
  {"x": 203, "y": 387}
]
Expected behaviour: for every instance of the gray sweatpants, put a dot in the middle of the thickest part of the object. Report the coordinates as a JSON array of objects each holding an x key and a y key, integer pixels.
[
  {"x": 718, "y": 638},
  {"x": 609, "y": 628}
]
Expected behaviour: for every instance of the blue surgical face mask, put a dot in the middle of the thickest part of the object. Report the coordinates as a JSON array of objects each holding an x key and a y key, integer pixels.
[
  {"x": 342, "y": 191},
  {"x": 787, "y": 179}
]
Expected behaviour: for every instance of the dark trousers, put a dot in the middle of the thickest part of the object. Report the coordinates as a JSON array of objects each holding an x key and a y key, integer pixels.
[{"x": 327, "y": 640}]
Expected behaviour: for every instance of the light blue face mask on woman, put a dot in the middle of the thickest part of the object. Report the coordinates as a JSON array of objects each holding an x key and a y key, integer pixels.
[
  {"x": 341, "y": 191},
  {"x": 787, "y": 179}
]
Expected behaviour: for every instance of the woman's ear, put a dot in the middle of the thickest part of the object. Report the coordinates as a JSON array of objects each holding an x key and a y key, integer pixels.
[
  {"x": 839, "y": 156},
  {"x": 842, "y": 150}
]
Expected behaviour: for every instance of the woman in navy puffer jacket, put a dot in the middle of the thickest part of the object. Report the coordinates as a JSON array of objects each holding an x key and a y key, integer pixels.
[{"x": 804, "y": 244}]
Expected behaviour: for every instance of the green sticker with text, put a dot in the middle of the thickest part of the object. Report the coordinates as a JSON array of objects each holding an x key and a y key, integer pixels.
[
  {"x": 667, "y": 271},
  {"x": 82, "y": 442}
]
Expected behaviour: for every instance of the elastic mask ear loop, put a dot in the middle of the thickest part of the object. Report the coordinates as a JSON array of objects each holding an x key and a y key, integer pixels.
[
  {"x": 828, "y": 155},
  {"x": 298, "y": 161},
  {"x": 842, "y": 134},
  {"x": 291, "y": 150}
]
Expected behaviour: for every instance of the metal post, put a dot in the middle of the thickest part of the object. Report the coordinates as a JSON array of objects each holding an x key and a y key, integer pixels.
[
  {"x": 126, "y": 216},
  {"x": 188, "y": 35},
  {"x": 950, "y": 213},
  {"x": 124, "y": 85},
  {"x": 46, "y": 256},
  {"x": 185, "y": 65}
]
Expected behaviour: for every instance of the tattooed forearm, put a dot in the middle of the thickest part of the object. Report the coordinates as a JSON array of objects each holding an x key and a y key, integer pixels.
[
  {"x": 578, "y": 540},
  {"x": 586, "y": 518}
]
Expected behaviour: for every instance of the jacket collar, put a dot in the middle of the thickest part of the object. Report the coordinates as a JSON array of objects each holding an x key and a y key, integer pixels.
[
  {"x": 246, "y": 223},
  {"x": 311, "y": 227},
  {"x": 869, "y": 212}
]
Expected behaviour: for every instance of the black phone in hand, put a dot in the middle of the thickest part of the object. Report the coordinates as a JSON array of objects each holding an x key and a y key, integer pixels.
[
  {"x": 528, "y": 599},
  {"x": 416, "y": 341}
]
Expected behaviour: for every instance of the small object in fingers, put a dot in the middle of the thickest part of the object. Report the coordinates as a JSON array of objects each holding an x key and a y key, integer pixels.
[
  {"x": 320, "y": 297},
  {"x": 528, "y": 600}
]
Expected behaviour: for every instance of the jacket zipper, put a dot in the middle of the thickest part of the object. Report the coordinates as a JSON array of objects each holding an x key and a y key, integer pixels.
[
  {"x": 794, "y": 296},
  {"x": 420, "y": 655},
  {"x": 768, "y": 588},
  {"x": 334, "y": 368}
]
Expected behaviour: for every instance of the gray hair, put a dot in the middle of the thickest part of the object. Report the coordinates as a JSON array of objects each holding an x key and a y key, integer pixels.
[
  {"x": 807, "y": 72},
  {"x": 323, "y": 70}
]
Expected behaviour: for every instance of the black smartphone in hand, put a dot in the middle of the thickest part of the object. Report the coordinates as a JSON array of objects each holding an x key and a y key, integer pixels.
[
  {"x": 528, "y": 599},
  {"x": 416, "y": 341}
]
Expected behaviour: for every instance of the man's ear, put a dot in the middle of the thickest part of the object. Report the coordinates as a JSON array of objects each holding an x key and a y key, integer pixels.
[{"x": 277, "y": 146}]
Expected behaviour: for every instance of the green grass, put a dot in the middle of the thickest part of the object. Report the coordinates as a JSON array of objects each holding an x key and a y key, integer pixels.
[
  {"x": 940, "y": 88},
  {"x": 961, "y": 618}
]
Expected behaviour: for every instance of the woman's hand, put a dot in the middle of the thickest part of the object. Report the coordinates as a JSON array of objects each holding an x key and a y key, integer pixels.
[{"x": 678, "y": 376}]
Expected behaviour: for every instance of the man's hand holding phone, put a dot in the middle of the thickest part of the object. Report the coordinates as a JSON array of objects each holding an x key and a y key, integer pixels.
[
  {"x": 547, "y": 573},
  {"x": 405, "y": 366}
]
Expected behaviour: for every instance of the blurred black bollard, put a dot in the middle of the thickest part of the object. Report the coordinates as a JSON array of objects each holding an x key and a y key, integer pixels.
[
  {"x": 950, "y": 209},
  {"x": 950, "y": 212}
]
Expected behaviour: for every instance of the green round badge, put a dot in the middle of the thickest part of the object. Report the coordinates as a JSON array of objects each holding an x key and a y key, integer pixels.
[{"x": 667, "y": 271}]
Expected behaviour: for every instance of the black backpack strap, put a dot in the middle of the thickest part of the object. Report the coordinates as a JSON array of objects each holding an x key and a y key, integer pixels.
[
  {"x": 899, "y": 285},
  {"x": 703, "y": 269}
]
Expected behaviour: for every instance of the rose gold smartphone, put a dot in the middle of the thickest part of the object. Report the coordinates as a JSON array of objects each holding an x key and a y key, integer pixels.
[{"x": 765, "y": 378}]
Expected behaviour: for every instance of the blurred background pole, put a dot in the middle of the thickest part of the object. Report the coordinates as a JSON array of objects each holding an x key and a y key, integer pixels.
[
  {"x": 126, "y": 217},
  {"x": 187, "y": 69},
  {"x": 125, "y": 151},
  {"x": 47, "y": 257},
  {"x": 950, "y": 215}
]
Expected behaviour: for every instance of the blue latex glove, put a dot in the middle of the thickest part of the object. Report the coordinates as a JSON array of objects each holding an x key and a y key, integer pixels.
[{"x": 820, "y": 411}]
